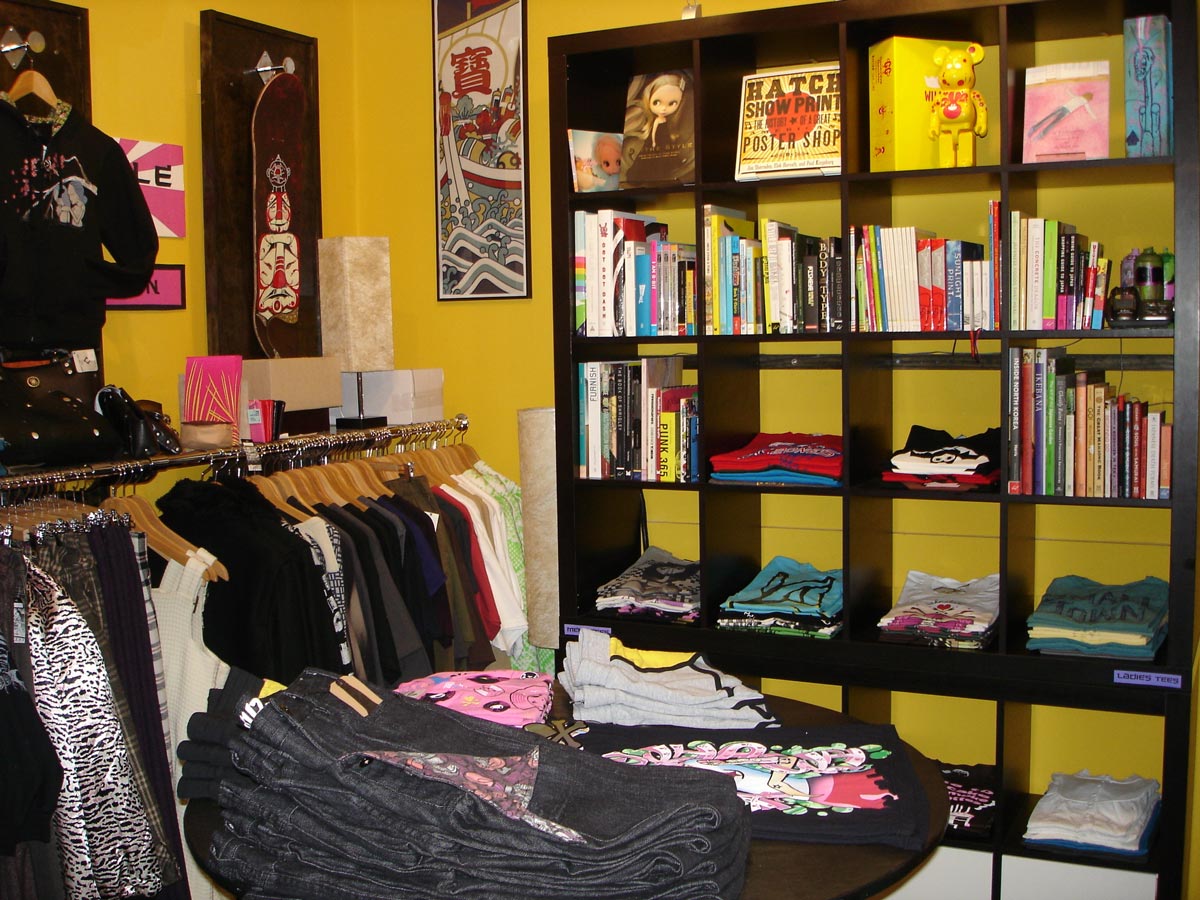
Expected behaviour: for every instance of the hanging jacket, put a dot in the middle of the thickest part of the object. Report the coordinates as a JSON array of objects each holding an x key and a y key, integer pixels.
[{"x": 67, "y": 193}]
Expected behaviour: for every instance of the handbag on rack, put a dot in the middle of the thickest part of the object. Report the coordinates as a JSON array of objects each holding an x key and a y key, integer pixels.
[
  {"x": 47, "y": 415},
  {"x": 143, "y": 427}
]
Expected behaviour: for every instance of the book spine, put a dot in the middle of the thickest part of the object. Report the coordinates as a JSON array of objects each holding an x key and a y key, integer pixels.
[
  {"x": 1166, "y": 436},
  {"x": 824, "y": 286},
  {"x": 1081, "y": 436},
  {"x": 1028, "y": 432},
  {"x": 1014, "y": 421},
  {"x": 1036, "y": 242},
  {"x": 1039, "y": 421},
  {"x": 1153, "y": 449},
  {"x": 1137, "y": 452},
  {"x": 839, "y": 301},
  {"x": 1124, "y": 431},
  {"x": 954, "y": 285},
  {"x": 1059, "y": 443}
]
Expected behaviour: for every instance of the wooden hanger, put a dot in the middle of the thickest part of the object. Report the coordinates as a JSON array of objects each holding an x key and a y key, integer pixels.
[
  {"x": 292, "y": 489},
  {"x": 165, "y": 542},
  {"x": 271, "y": 491},
  {"x": 32, "y": 82}
]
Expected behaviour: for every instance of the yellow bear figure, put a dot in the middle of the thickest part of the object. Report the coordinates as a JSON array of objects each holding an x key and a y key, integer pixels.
[{"x": 958, "y": 111}]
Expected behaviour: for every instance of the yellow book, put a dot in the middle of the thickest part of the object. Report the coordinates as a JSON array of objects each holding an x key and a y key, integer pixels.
[{"x": 668, "y": 446}]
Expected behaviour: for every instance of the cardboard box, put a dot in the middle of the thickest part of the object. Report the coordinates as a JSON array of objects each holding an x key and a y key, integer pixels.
[
  {"x": 404, "y": 396},
  {"x": 902, "y": 81},
  {"x": 301, "y": 382}
]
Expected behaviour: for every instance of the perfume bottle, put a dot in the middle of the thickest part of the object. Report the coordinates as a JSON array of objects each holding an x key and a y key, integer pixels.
[
  {"x": 1148, "y": 277},
  {"x": 1129, "y": 268}
]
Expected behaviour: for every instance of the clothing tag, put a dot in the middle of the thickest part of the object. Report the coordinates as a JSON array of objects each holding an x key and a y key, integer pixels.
[
  {"x": 85, "y": 360},
  {"x": 435, "y": 518},
  {"x": 250, "y": 711},
  {"x": 19, "y": 622}
]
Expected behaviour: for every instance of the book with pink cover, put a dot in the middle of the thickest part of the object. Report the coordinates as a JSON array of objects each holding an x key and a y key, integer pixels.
[
  {"x": 211, "y": 390},
  {"x": 1066, "y": 112}
]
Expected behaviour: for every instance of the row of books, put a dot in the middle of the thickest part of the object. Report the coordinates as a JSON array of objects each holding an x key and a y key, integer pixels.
[
  {"x": 907, "y": 279},
  {"x": 1072, "y": 435},
  {"x": 1057, "y": 278},
  {"x": 638, "y": 421},
  {"x": 768, "y": 277},
  {"x": 630, "y": 280}
]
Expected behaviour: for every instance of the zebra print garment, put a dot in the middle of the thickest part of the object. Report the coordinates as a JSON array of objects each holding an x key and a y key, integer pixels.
[{"x": 104, "y": 837}]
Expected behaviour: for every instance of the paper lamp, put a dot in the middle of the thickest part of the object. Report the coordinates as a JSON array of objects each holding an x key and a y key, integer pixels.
[{"x": 356, "y": 311}]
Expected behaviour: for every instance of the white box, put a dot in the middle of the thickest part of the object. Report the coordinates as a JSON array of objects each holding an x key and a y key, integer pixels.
[{"x": 404, "y": 396}]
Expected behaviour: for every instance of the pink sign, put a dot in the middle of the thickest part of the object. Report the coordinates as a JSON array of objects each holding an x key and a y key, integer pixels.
[
  {"x": 159, "y": 170},
  {"x": 165, "y": 291}
]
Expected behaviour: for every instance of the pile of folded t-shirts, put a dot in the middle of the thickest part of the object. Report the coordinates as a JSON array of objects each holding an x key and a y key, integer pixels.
[
  {"x": 609, "y": 682},
  {"x": 506, "y": 696},
  {"x": 784, "y": 458},
  {"x": 972, "y": 789},
  {"x": 347, "y": 794},
  {"x": 787, "y": 597},
  {"x": 943, "y": 612},
  {"x": 1080, "y": 617},
  {"x": 658, "y": 585},
  {"x": 936, "y": 459},
  {"x": 1095, "y": 814}
]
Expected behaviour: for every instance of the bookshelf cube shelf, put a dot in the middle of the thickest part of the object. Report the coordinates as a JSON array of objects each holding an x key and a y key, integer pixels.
[{"x": 871, "y": 385}]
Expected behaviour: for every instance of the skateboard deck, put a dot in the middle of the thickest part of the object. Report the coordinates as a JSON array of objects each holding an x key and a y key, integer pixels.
[{"x": 280, "y": 239}]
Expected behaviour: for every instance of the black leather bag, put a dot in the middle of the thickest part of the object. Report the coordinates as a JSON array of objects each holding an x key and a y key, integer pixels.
[
  {"x": 47, "y": 415},
  {"x": 142, "y": 426}
]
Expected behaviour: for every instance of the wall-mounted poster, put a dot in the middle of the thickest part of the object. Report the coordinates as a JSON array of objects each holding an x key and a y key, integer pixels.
[
  {"x": 164, "y": 291},
  {"x": 479, "y": 82},
  {"x": 159, "y": 171}
]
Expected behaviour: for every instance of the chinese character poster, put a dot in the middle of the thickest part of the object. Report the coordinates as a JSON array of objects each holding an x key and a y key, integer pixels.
[{"x": 481, "y": 149}]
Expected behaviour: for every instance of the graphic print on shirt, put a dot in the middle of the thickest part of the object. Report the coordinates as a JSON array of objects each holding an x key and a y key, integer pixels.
[
  {"x": 53, "y": 188},
  {"x": 794, "y": 779}
]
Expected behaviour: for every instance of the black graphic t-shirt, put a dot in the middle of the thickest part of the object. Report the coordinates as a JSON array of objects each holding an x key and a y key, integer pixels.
[{"x": 851, "y": 783}]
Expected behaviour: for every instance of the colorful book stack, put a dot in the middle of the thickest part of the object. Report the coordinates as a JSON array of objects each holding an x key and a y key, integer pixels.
[
  {"x": 638, "y": 420},
  {"x": 787, "y": 597},
  {"x": 630, "y": 279},
  {"x": 909, "y": 279},
  {"x": 1058, "y": 279},
  {"x": 1070, "y": 434}
]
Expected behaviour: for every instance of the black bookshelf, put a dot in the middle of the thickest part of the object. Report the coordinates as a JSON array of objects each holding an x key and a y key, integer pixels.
[{"x": 598, "y": 520}]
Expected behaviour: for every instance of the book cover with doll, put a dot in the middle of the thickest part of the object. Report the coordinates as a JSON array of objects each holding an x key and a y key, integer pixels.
[
  {"x": 659, "y": 144},
  {"x": 595, "y": 160}
]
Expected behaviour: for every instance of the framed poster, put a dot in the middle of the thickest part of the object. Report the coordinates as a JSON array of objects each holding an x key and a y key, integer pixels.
[
  {"x": 164, "y": 291},
  {"x": 481, "y": 148}
]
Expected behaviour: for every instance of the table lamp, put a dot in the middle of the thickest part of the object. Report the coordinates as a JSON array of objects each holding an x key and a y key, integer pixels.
[{"x": 356, "y": 312}]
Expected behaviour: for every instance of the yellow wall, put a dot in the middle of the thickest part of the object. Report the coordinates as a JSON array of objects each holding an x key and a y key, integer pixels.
[{"x": 377, "y": 178}]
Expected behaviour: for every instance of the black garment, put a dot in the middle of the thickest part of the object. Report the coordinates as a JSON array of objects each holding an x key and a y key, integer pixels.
[
  {"x": 271, "y": 617},
  {"x": 872, "y": 798},
  {"x": 459, "y": 527},
  {"x": 66, "y": 195}
]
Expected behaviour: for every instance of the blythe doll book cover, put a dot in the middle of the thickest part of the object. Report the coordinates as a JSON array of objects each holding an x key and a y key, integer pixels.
[
  {"x": 660, "y": 135},
  {"x": 596, "y": 160}
]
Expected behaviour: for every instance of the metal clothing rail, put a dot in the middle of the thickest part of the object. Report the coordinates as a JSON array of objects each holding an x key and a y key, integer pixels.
[{"x": 285, "y": 453}]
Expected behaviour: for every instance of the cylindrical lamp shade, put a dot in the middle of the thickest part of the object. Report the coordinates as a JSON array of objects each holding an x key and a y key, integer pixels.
[
  {"x": 539, "y": 516},
  {"x": 356, "y": 302}
]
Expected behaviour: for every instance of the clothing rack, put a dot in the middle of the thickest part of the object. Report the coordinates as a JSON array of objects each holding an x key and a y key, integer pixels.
[{"x": 285, "y": 453}]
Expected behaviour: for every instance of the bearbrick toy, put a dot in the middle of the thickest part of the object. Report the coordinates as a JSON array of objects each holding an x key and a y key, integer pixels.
[{"x": 958, "y": 112}]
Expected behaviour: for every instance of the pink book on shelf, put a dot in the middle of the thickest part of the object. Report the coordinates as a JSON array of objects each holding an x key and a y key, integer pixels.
[{"x": 1066, "y": 112}]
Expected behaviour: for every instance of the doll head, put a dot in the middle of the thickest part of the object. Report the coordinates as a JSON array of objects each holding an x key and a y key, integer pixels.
[
  {"x": 607, "y": 154},
  {"x": 663, "y": 95}
]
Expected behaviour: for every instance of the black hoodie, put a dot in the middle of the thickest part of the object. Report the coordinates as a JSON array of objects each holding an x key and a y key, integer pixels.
[{"x": 67, "y": 192}]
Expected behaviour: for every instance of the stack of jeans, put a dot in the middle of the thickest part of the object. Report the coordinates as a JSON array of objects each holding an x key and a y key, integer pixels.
[{"x": 348, "y": 795}]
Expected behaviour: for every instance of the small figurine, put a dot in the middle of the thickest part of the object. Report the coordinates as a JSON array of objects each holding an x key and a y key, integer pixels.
[{"x": 958, "y": 112}]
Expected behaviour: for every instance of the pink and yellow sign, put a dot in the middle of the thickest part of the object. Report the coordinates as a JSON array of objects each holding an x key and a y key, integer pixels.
[{"x": 159, "y": 170}]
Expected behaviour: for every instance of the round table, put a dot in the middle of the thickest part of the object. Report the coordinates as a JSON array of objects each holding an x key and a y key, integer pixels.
[{"x": 776, "y": 870}]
